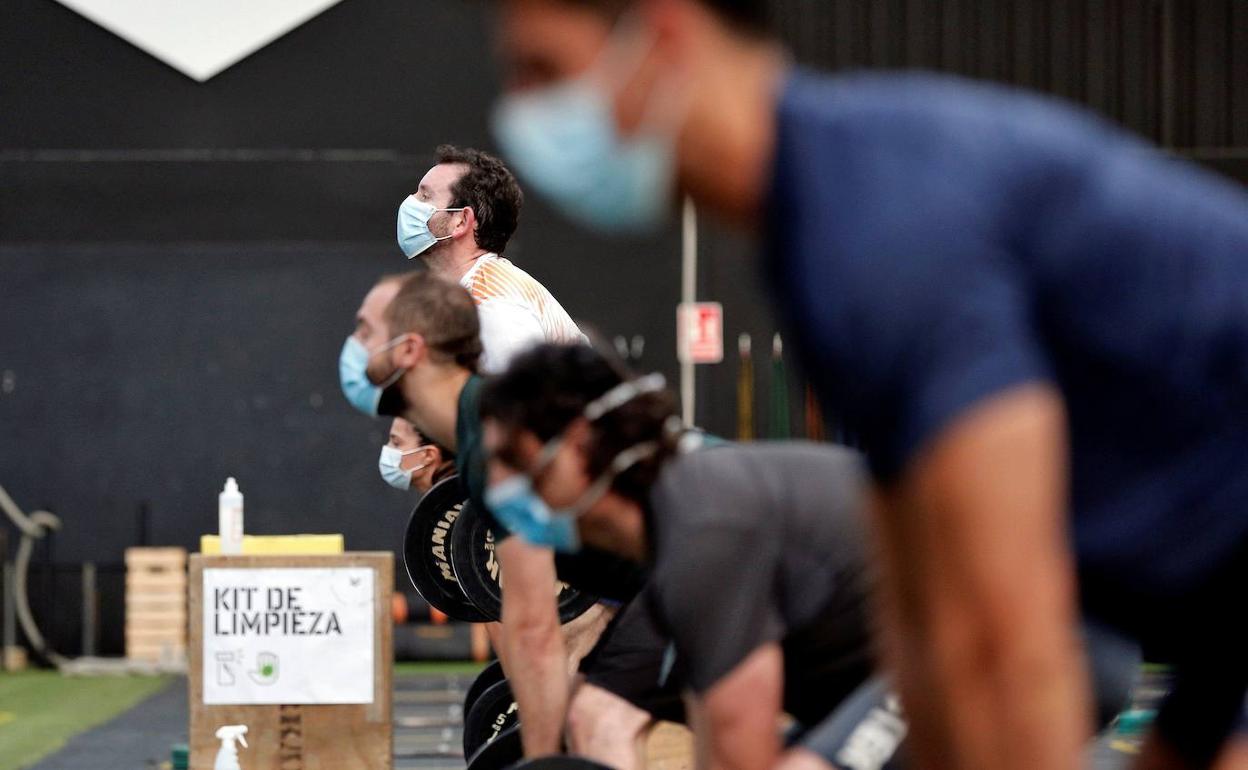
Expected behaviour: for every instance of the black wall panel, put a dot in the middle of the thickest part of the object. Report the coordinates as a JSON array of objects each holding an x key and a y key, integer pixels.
[{"x": 1171, "y": 70}]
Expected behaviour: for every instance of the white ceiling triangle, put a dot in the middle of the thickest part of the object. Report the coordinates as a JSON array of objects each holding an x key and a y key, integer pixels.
[{"x": 199, "y": 37}]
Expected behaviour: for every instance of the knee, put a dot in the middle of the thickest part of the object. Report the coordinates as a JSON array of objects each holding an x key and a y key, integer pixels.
[{"x": 595, "y": 716}]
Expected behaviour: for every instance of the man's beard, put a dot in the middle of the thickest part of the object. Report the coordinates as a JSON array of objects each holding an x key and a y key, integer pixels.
[{"x": 392, "y": 402}]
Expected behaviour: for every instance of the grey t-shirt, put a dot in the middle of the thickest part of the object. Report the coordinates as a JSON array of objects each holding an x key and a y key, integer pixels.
[{"x": 762, "y": 542}]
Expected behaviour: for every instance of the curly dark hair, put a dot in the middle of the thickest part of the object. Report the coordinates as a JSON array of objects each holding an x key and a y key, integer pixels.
[
  {"x": 490, "y": 190},
  {"x": 548, "y": 386}
]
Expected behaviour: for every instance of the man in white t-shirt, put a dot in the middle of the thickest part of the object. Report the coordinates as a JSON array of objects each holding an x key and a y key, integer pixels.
[{"x": 458, "y": 221}]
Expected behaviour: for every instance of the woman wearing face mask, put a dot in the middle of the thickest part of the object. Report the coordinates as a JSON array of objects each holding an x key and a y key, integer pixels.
[{"x": 410, "y": 461}]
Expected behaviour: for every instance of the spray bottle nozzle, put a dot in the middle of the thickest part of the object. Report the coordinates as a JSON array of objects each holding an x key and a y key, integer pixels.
[{"x": 232, "y": 733}]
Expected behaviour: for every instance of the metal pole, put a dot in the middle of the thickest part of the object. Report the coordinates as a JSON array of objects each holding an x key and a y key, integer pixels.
[
  {"x": 90, "y": 609},
  {"x": 688, "y": 294}
]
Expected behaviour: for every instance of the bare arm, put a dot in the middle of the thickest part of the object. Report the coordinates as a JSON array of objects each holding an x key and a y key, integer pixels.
[
  {"x": 736, "y": 720},
  {"x": 533, "y": 646},
  {"x": 978, "y": 591}
]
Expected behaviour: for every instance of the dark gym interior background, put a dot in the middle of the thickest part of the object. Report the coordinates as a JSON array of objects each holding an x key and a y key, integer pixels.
[{"x": 180, "y": 261}]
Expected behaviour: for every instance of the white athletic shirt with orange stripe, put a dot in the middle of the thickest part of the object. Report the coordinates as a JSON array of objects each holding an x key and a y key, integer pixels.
[{"x": 515, "y": 311}]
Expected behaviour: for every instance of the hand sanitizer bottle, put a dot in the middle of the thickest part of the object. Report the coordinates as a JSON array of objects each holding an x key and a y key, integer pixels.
[
  {"x": 230, "y": 518},
  {"x": 227, "y": 755}
]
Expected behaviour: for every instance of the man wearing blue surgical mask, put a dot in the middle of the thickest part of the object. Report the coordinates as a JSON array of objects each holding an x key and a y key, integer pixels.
[
  {"x": 424, "y": 345},
  {"x": 1036, "y": 325},
  {"x": 366, "y": 341},
  {"x": 458, "y": 222}
]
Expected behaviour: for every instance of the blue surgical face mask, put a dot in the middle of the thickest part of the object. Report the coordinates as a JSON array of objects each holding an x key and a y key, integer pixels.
[
  {"x": 518, "y": 507},
  {"x": 360, "y": 392},
  {"x": 563, "y": 141},
  {"x": 390, "y": 465},
  {"x": 414, "y": 235},
  {"x": 524, "y": 513}
]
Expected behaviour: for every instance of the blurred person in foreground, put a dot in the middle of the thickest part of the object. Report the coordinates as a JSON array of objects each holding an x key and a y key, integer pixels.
[{"x": 1037, "y": 325}]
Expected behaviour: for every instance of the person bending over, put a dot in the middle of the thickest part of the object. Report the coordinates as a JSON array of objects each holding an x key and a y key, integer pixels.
[
  {"x": 1036, "y": 325},
  {"x": 757, "y": 551},
  {"x": 422, "y": 348},
  {"x": 606, "y": 725}
]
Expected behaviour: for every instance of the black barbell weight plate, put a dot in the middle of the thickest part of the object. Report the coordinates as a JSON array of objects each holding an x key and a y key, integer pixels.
[
  {"x": 493, "y": 713},
  {"x": 473, "y": 558},
  {"x": 502, "y": 752},
  {"x": 489, "y": 676},
  {"x": 426, "y": 551}
]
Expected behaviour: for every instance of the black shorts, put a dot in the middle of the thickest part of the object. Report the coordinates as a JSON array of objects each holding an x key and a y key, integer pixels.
[
  {"x": 1199, "y": 633},
  {"x": 634, "y": 660}
]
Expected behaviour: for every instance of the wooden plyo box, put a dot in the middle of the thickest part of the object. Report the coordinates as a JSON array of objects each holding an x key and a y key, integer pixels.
[
  {"x": 156, "y": 604},
  {"x": 669, "y": 746},
  {"x": 299, "y": 737}
]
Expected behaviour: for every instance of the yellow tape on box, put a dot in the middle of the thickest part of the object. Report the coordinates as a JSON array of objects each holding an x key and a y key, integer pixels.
[{"x": 283, "y": 545}]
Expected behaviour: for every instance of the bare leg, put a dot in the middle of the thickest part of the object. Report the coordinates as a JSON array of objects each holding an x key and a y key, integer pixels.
[
  {"x": 581, "y": 634},
  {"x": 606, "y": 728}
]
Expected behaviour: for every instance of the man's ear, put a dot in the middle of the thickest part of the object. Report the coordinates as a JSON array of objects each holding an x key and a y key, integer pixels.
[
  {"x": 410, "y": 351},
  {"x": 467, "y": 224}
]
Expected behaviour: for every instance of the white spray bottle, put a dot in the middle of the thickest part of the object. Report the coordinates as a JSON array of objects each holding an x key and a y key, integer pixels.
[
  {"x": 227, "y": 755},
  {"x": 230, "y": 518}
]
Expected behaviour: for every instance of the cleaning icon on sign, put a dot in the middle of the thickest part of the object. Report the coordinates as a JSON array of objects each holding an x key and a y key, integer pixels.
[{"x": 266, "y": 669}]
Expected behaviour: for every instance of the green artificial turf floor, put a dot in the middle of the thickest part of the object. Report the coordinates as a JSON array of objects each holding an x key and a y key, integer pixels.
[{"x": 40, "y": 710}]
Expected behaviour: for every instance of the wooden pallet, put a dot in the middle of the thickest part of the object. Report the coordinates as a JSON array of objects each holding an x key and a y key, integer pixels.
[{"x": 156, "y": 604}]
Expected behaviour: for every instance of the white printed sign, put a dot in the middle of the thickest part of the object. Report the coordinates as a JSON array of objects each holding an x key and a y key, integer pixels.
[
  {"x": 700, "y": 332},
  {"x": 288, "y": 635}
]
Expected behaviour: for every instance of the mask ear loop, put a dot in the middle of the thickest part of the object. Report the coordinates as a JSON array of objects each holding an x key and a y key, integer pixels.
[
  {"x": 627, "y": 48},
  {"x": 613, "y": 399},
  {"x": 399, "y": 371},
  {"x": 623, "y": 393},
  {"x": 440, "y": 238},
  {"x": 622, "y": 462},
  {"x": 414, "y": 450},
  {"x": 622, "y": 59}
]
